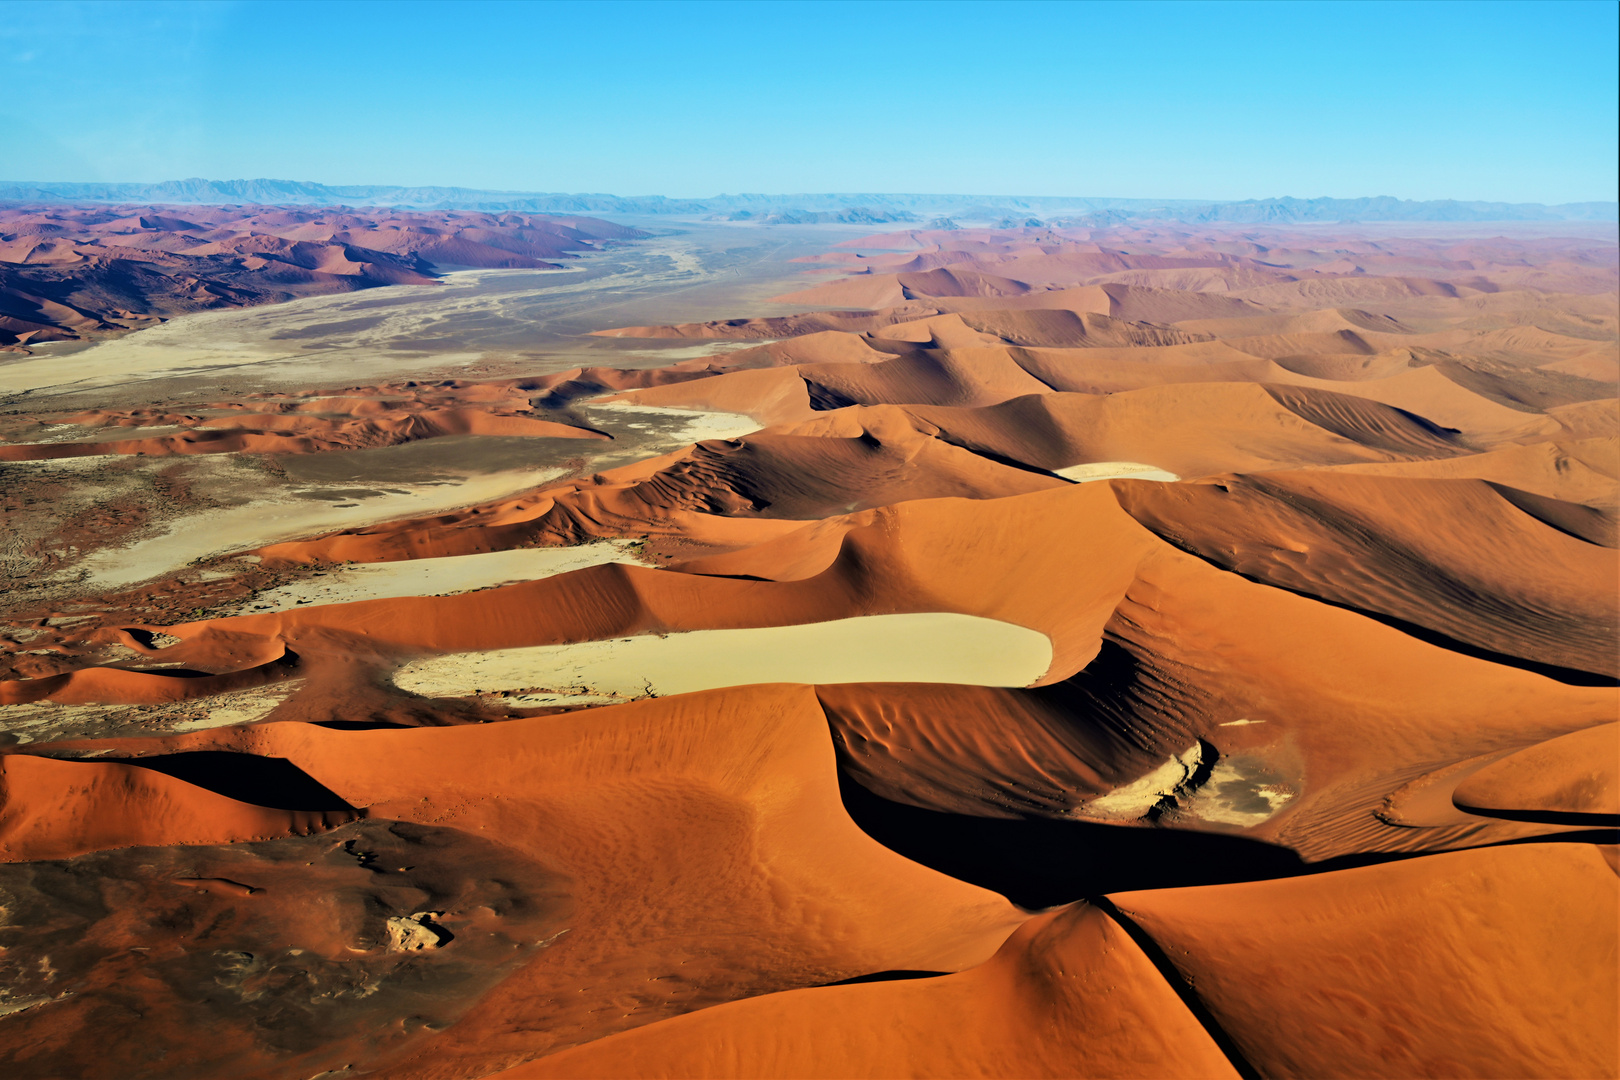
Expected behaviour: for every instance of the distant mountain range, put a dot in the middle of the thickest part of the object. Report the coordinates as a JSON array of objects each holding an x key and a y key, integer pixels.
[{"x": 787, "y": 209}]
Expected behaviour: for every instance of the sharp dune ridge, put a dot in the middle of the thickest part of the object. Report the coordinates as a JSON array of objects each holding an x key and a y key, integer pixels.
[{"x": 1207, "y": 639}]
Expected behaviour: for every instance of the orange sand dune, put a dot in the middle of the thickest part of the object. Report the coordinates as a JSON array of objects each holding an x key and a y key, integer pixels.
[
  {"x": 1068, "y": 992},
  {"x": 1509, "y": 970},
  {"x": 1411, "y": 702},
  {"x": 825, "y": 347},
  {"x": 1130, "y": 303},
  {"x": 773, "y": 395},
  {"x": 1589, "y": 420},
  {"x": 108, "y": 684},
  {"x": 1572, "y": 775},
  {"x": 933, "y": 377},
  {"x": 291, "y": 434},
  {"x": 660, "y": 496},
  {"x": 875, "y": 573},
  {"x": 1577, "y": 471},
  {"x": 1328, "y": 706},
  {"x": 779, "y": 326},
  {"x": 360, "y": 418},
  {"x": 1189, "y": 429},
  {"x": 1060, "y": 328},
  {"x": 1522, "y": 586},
  {"x": 57, "y": 809}
]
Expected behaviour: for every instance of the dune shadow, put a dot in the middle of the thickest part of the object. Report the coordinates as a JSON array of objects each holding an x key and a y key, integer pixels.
[
  {"x": 361, "y": 725},
  {"x": 1545, "y": 817},
  {"x": 275, "y": 783},
  {"x": 893, "y": 975},
  {"x": 1040, "y": 863}
]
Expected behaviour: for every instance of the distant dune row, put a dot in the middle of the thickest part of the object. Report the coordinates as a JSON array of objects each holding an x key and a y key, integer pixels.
[{"x": 71, "y": 272}]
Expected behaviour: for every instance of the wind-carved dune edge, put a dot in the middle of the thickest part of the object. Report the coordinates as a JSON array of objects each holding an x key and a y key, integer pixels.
[{"x": 1125, "y": 652}]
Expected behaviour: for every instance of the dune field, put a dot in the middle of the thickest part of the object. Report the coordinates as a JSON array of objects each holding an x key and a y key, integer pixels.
[{"x": 1148, "y": 651}]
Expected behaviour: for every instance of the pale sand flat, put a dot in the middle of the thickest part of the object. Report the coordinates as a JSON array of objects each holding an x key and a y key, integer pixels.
[
  {"x": 287, "y": 517},
  {"x": 1115, "y": 470},
  {"x": 699, "y": 425},
  {"x": 255, "y": 524},
  {"x": 437, "y": 577},
  {"x": 48, "y": 721},
  {"x": 928, "y": 647}
]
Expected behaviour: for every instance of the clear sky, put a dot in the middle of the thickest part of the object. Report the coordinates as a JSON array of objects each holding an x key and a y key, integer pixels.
[{"x": 1496, "y": 100}]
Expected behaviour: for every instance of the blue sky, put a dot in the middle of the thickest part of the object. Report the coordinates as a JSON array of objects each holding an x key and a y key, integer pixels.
[{"x": 1502, "y": 101}]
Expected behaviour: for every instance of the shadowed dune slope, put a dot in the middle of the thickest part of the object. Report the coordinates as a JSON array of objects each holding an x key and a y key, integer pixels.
[
  {"x": 1520, "y": 585},
  {"x": 57, "y": 809},
  {"x": 1573, "y": 776},
  {"x": 1068, "y": 988},
  {"x": 1499, "y": 962}
]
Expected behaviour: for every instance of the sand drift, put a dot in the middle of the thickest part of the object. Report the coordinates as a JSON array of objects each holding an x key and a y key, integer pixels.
[{"x": 1151, "y": 651}]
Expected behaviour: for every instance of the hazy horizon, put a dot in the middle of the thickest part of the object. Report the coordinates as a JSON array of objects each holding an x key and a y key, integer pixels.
[{"x": 1078, "y": 196}]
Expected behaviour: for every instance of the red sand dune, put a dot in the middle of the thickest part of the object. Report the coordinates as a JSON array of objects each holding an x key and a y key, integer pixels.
[
  {"x": 1320, "y": 780},
  {"x": 1509, "y": 970},
  {"x": 58, "y": 809},
  {"x": 1574, "y": 774},
  {"x": 1066, "y": 987}
]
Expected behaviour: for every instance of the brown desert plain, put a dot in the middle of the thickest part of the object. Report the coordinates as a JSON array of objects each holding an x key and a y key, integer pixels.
[{"x": 1154, "y": 651}]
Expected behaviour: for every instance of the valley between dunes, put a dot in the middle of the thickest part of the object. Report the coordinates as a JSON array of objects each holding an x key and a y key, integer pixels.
[{"x": 1156, "y": 651}]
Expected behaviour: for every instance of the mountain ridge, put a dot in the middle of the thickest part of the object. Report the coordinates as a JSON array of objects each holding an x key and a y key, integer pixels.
[{"x": 1074, "y": 209}]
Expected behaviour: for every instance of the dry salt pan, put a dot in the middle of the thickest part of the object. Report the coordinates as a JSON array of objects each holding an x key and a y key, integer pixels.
[{"x": 927, "y": 647}]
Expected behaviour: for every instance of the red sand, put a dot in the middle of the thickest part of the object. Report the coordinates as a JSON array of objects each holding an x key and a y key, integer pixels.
[{"x": 1321, "y": 780}]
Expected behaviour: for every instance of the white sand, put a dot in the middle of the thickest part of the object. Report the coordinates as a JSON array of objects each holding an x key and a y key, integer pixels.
[
  {"x": 1115, "y": 470},
  {"x": 1235, "y": 795},
  {"x": 1134, "y": 800},
  {"x": 48, "y": 721},
  {"x": 267, "y": 521},
  {"x": 244, "y": 341},
  {"x": 698, "y": 425},
  {"x": 1238, "y": 791},
  {"x": 437, "y": 577},
  {"x": 929, "y": 647}
]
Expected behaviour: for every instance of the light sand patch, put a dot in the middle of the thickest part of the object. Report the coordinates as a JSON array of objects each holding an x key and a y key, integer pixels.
[
  {"x": 697, "y": 426},
  {"x": 48, "y": 721},
  {"x": 1233, "y": 791},
  {"x": 1239, "y": 791},
  {"x": 930, "y": 647},
  {"x": 716, "y": 347},
  {"x": 1115, "y": 470},
  {"x": 230, "y": 341},
  {"x": 286, "y": 517},
  {"x": 1138, "y": 798},
  {"x": 61, "y": 433},
  {"x": 438, "y": 577},
  {"x": 683, "y": 257},
  {"x": 302, "y": 342}
]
